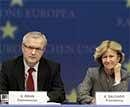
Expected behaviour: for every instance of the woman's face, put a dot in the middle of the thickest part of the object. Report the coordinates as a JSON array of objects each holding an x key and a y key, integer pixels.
[{"x": 110, "y": 59}]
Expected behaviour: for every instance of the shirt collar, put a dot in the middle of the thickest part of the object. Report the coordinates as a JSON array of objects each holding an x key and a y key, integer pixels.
[{"x": 27, "y": 67}]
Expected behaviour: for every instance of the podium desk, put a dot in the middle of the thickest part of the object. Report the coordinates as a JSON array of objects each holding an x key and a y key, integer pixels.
[
  {"x": 86, "y": 105},
  {"x": 64, "y": 105}
]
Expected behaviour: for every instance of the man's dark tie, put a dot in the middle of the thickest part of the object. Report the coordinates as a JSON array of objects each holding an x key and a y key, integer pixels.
[{"x": 30, "y": 81}]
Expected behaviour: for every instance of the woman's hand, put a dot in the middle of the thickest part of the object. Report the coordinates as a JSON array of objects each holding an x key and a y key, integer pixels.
[{"x": 117, "y": 73}]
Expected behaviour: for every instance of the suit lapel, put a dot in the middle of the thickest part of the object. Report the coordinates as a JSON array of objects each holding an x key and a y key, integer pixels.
[
  {"x": 19, "y": 74},
  {"x": 43, "y": 75},
  {"x": 103, "y": 80}
]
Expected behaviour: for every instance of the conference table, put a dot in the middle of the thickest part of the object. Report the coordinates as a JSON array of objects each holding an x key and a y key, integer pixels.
[{"x": 63, "y": 105}]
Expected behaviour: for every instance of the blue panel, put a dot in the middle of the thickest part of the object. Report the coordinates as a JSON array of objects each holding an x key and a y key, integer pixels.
[{"x": 73, "y": 27}]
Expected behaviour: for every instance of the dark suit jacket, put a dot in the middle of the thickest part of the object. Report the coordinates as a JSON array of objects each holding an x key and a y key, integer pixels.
[
  {"x": 96, "y": 80},
  {"x": 49, "y": 79}
]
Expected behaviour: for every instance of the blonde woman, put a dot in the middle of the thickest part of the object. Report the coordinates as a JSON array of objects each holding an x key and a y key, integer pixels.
[{"x": 109, "y": 76}]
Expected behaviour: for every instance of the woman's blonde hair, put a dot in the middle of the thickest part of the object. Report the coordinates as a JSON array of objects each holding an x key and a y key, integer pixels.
[{"x": 104, "y": 46}]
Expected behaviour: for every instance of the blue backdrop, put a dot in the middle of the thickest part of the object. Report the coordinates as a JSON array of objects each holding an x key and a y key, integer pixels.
[{"x": 73, "y": 28}]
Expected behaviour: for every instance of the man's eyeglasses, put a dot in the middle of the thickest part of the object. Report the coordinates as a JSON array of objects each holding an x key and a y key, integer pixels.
[{"x": 31, "y": 48}]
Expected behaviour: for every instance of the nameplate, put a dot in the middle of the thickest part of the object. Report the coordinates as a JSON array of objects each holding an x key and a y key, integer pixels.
[
  {"x": 113, "y": 98},
  {"x": 24, "y": 97}
]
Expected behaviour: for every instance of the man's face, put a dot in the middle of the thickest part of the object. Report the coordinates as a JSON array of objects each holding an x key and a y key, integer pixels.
[{"x": 33, "y": 50}]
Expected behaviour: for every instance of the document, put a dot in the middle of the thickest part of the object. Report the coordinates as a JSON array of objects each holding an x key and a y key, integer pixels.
[{"x": 28, "y": 97}]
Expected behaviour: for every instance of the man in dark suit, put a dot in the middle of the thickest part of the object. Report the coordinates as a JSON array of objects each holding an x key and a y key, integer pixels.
[{"x": 14, "y": 75}]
